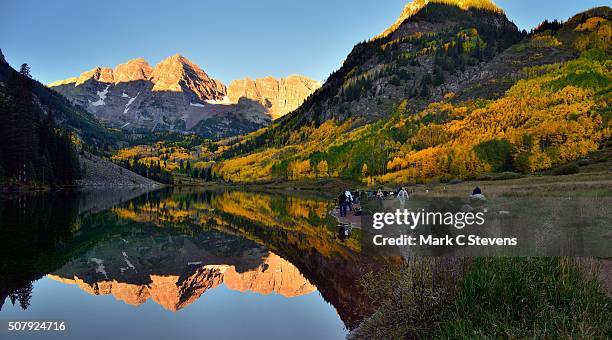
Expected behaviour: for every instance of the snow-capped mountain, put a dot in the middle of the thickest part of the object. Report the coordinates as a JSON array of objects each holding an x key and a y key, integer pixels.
[{"x": 177, "y": 95}]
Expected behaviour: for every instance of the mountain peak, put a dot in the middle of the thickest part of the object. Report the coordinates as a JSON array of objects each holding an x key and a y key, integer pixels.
[
  {"x": 177, "y": 58},
  {"x": 101, "y": 74},
  {"x": 416, "y": 6},
  {"x": 177, "y": 61},
  {"x": 177, "y": 73},
  {"x": 133, "y": 70}
]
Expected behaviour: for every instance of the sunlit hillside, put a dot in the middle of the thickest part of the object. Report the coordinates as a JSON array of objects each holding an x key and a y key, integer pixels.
[
  {"x": 526, "y": 122},
  {"x": 413, "y": 7},
  {"x": 555, "y": 114}
]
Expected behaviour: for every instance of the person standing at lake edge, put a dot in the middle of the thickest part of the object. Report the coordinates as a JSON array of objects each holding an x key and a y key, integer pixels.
[
  {"x": 342, "y": 204},
  {"x": 402, "y": 196},
  {"x": 349, "y": 200},
  {"x": 380, "y": 196}
]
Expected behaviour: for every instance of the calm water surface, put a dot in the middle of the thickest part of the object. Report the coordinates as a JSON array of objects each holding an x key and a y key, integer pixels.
[{"x": 178, "y": 264}]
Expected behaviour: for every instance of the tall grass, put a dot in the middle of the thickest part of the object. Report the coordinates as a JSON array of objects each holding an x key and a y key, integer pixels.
[
  {"x": 411, "y": 299},
  {"x": 530, "y": 298},
  {"x": 487, "y": 298}
]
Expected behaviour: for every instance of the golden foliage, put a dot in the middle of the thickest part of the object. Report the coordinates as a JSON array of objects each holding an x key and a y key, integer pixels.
[
  {"x": 323, "y": 169},
  {"x": 249, "y": 168},
  {"x": 545, "y": 127},
  {"x": 591, "y": 24}
]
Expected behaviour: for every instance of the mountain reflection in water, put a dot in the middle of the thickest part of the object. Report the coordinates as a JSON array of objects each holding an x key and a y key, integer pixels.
[
  {"x": 174, "y": 271},
  {"x": 173, "y": 246}
]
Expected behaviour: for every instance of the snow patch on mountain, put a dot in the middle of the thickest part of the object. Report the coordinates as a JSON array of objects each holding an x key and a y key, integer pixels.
[
  {"x": 127, "y": 106},
  {"x": 102, "y": 96},
  {"x": 224, "y": 101}
]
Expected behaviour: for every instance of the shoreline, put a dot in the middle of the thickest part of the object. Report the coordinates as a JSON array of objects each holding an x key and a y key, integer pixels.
[{"x": 595, "y": 177}]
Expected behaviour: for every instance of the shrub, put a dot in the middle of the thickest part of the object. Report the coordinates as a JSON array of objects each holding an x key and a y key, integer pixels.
[
  {"x": 585, "y": 162},
  {"x": 497, "y": 153},
  {"x": 568, "y": 169},
  {"x": 499, "y": 176}
]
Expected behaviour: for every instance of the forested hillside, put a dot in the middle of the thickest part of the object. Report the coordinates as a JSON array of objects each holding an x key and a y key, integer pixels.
[
  {"x": 549, "y": 114},
  {"x": 448, "y": 93},
  {"x": 33, "y": 149},
  {"x": 67, "y": 116}
]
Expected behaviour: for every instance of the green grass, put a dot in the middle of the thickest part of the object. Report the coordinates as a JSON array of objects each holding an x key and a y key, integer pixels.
[
  {"x": 489, "y": 298},
  {"x": 530, "y": 298}
]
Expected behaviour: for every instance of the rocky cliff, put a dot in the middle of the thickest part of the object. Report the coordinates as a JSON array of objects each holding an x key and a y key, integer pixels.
[
  {"x": 177, "y": 95},
  {"x": 277, "y": 96}
]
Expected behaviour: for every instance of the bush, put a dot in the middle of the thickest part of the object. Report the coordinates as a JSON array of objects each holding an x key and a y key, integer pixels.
[
  {"x": 499, "y": 176},
  {"x": 448, "y": 179},
  {"x": 497, "y": 153},
  {"x": 568, "y": 169},
  {"x": 585, "y": 162},
  {"x": 444, "y": 179}
]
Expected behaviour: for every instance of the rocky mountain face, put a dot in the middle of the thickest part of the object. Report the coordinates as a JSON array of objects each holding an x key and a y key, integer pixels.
[
  {"x": 178, "y": 74},
  {"x": 278, "y": 96},
  {"x": 177, "y": 95}
]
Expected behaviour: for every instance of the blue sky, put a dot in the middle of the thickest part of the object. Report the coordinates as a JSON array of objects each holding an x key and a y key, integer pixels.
[{"x": 229, "y": 39}]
